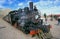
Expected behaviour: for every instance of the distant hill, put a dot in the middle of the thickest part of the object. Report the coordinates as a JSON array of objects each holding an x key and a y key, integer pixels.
[{"x": 4, "y": 12}]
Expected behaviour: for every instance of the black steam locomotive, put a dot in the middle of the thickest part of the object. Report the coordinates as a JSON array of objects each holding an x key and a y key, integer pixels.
[{"x": 28, "y": 19}]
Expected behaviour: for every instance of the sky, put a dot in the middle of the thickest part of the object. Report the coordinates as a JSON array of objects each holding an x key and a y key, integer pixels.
[{"x": 43, "y": 6}]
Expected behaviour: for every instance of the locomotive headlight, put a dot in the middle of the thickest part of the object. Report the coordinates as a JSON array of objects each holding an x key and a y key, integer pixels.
[{"x": 36, "y": 17}]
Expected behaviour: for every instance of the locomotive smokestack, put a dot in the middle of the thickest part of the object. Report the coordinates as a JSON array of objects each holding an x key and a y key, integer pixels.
[{"x": 31, "y": 6}]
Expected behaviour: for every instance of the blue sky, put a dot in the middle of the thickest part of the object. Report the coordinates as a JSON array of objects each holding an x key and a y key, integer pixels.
[{"x": 45, "y": 6}]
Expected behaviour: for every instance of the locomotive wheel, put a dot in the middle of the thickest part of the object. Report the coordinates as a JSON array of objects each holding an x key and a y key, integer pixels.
[
  {"x": 40, "y": 35},
  {"x": 48, "y": 35},
  {"x": 26, "y": 30}
]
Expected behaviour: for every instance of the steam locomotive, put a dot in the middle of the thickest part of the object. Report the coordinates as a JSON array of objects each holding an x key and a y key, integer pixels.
[{"x": 28, "y": 20}]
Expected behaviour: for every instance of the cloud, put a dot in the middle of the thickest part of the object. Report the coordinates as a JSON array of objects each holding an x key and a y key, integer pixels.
[
  {"x": 29, "y": 1},
  {"x": 1, "y": 7},
  {"x": 10, "y": 1},
  {"x": 44, "y": 3},
  {"x": 2, "y": 1},
  {"x": 55, "y": 9},
  {"x": 57, "y": 3},
  {"x": 51, "y": 10},
  {"x": 20, "y": 4},
  {"x": 48, "y": 6}
]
